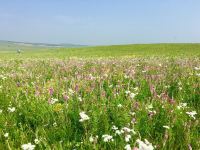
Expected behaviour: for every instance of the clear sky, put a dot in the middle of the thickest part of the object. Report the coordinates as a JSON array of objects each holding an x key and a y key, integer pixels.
[{"x": 100, "y": 22}]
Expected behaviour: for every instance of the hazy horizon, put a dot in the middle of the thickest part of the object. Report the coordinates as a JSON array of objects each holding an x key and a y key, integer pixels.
[{"x": 100, "y": 23}]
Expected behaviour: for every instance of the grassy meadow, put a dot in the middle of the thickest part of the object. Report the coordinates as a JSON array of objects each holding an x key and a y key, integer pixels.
[{"x": 132, "y": 97}]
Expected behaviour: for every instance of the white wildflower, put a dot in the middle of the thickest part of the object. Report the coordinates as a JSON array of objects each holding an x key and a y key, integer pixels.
[
  {"x": 127, "y": 92},
  {"x": 11, "y": 109},
  {"x": 132, "y": 113},
  {"x": 37, "y": 141},
  {"x": 119, "y": 105},
  {"x": 71, "y": 92},
  {"x": 53, "y": 101},
  {"x": 107, "y": 138},
  {"x": 80, "y": 99},
  {"x": 28, "y": 146},
  {"x": 118, "y": 132},
  {"x": 150, "y": 106},
  {"x": 91, "y": 77},
  {"x": 132, "y": 95},
  {"x": 127, "y": 147},
  {"x": 3, "y": 77},
  {"x": 192, "y": 114},
  {"x": 127, "y": 130},
  {"x": 6, "y": 135},
  {"x": 126, "y": 77},
  {"x": 105, "y": 75},
  {"x": 55, "y": 124},
  {"x": 144, "y": 145},
  {"x": 83, "y": 116},
  {"x": 182, "y": 105},
  {"x": 127, "y": 138},
  {"x": 136, "y": 89},
  {"x": 114, "y": 127},
  {"x": 93, "y": 139},
  {"x": 196, "y": 68},
  {"x": 152, "y": 112}
]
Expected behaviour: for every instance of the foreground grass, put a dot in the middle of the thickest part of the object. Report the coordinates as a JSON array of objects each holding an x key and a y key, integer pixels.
[{"x": 100, "y": 103}]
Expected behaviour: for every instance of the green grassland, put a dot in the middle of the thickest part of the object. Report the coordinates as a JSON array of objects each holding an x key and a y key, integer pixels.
[
  {"x": 174, "y": 50},
  {"x": 103, "y": 97}
]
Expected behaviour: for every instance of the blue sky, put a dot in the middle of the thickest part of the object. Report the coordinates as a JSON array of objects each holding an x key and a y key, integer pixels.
[{"x": 100, "y": 22}]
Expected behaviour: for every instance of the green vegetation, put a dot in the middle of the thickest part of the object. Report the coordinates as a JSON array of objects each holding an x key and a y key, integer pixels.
[
  {"x": 137, "y": 50},
  {"x": 107, "y": 97}
]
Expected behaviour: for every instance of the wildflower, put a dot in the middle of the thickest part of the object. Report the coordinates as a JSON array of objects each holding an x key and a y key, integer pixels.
[
  {"x": 127, "y": 92},
  {"x": 93, "y": 139},
  {"x": 107, "y": 138},
  {"x": 132, "y": 95},
  {"x": 114, "y": 127},
  {"x": 83, "y": 116},
  {"x": 150, "y": 106},
  {"x": 91, "y": 77},
  {"x": 6, "y": 135},
  {"x": 118, "y": 132},
  {"x": 37, "y": 141},
  {"x": 28, "y": 146},
  {"x": 127, "y": 138},
  {"x": 133, "y": 121},
  {"x": 55, "y": 124},
  {"x": 127, "y": 147},
  {"x": 71, "y": 92},
  {"x": 136, "y": 89},
  {"x": 132, "y": 113},
  {"x": 119, "y": 105},
  {"x": 128, "y": 130},
  {"x": 3, "y": 77},
  {"x": 192, "y": 114},
  {"x": 166, "y": 127},
  {"x": 151, "y": 113},
  {"x": 182, "y": 105},
  {"x": 196, "y": 68},
  {"x": 144, "y": 145},
  {"x": 57, "y": 107},
  {"x": 11, "y": 109},
  {"x": 53, "y": 101},
  {"x": 126, "y": 77},
  {"x": 65, "y": 97},
  {"x": 51, "y": 91},
  {"x": 80, "y": 99},
  {"x": 105, "y": 75}
]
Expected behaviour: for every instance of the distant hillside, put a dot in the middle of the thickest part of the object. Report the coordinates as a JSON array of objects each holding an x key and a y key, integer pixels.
[{"x": 12, "y": 45}]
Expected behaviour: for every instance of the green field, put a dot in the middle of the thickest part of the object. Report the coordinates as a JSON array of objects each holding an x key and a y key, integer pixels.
[
  {"x": 144, "y": 96},
  {"x": 137, "y": 50}
]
